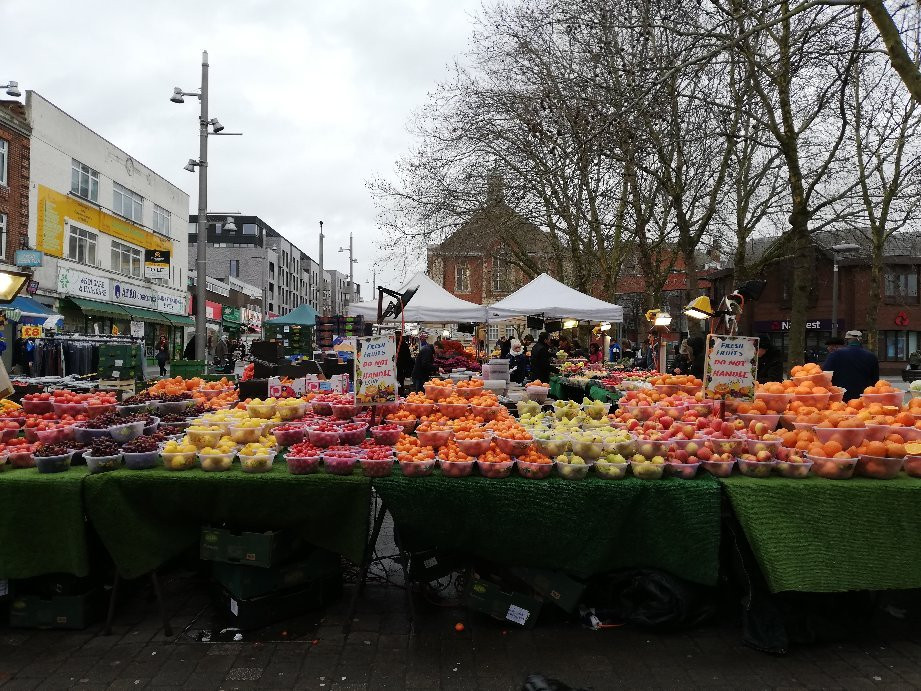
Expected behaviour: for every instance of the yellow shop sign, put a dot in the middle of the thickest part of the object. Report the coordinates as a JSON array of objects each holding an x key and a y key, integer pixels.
[{"x": 54, "y": 208}]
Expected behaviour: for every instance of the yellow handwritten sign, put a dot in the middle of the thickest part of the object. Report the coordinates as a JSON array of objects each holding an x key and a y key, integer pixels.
[{"x": 54, "y": 208}]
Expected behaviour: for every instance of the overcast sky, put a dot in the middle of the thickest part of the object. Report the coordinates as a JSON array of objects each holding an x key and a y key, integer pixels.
[{"x": 321, "y": 90}]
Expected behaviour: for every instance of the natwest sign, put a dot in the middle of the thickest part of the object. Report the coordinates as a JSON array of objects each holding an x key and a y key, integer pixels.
[{"x": 784, "y": 325}]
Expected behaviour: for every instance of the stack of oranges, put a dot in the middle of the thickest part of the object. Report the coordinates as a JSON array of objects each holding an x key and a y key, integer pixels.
[
  {"x": 494, "y": 455},
  {"x": 409, "y": 449},
  {"x": 532, "y": 456},
  {"x": 451, "y": 453},
  {"x": 401, "y": 415},
  {"x": 509, "y": 429}
]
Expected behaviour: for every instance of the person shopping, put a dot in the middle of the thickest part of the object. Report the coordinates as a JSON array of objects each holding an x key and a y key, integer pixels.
[
  {"x": 518, "y": 362},
  {"x": 854, "y": 368},
  {"x": 162, "y": 356},
  {"x": 541, "y": 359},
  {"x": 425, "y": 361}
]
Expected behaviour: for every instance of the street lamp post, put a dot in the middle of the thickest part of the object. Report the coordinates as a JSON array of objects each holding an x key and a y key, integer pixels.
[
  {"x": 836, "y": 250},
  {"x": 201, "y": 263},
  {"x": 321, "y": 303},
  {"x": 352, "y": 261}
]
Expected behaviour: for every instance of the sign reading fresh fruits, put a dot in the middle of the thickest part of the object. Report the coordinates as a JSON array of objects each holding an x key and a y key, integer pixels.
[{"x": 730, "y": 367}]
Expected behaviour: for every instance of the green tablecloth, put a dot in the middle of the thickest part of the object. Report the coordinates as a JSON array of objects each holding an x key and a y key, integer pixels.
[
  {"x": 146, "y": 517},
  {"x": 818, "y": 535},
  {"x": 42, "y": 527},
  {"x": 583, "y": 527}
]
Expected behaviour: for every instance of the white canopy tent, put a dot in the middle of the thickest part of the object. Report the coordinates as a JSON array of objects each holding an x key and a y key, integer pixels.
[
  {"x": 431, "y": 303},
  {"x": 547, "y": 296}
]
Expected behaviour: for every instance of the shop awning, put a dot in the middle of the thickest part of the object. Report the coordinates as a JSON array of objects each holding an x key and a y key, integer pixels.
[
  {"x": 180, "y": 320},
  {"x": 31, "y": 311},
  {"x": 100, "y": 309},
  {"x": 139, "y": 314}
]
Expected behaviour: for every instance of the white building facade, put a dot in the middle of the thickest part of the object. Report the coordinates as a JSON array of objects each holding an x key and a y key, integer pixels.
[{"x": 112, "y": 232}]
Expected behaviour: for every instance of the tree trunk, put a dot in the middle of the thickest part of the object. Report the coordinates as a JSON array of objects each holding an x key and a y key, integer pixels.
[{"x": 875, "y": 297}]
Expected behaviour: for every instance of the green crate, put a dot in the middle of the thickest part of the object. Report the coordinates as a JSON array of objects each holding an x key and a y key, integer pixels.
[
  {"x": 489, "y": 598},
  {"x": 186, "y": 368},
  {"x": 116, "y": 350},
  {"x": 254, "y": 549},
  {"x": 258, "y": 612},
  {"x": 556, "y": 587},
  {"x": 244, "y": 582},
  {"x": 57, "y": 612}
]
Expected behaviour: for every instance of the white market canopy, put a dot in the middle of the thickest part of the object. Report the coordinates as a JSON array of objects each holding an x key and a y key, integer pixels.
[
  {"x": 431, "y": 303},
  {"x": 547, "y": 296}
]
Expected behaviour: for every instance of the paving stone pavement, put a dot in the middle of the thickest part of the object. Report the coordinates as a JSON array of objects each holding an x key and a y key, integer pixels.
[{"x": 380, "y": 653}]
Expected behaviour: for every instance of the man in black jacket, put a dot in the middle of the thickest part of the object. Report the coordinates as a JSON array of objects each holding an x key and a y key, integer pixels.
[
  {"x": 425, "y": 360},
  {"x": 770, "y": 361},
  {"x": 541, "y": 357}
]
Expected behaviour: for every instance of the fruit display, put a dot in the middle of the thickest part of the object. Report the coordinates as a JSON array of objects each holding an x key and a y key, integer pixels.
[
  {"x": 141, "y": 453},
  {"x": 612, "y": 467},
  {"x": 205, "y": 435},
  {"x": 571, "y": 466},
  {"x": 179, "y": 455},
  {"x": 534, "y": 465},
  {"x": 256, "y": 457},
  {"x": 103, "y": 456},
  {"x": 833, "y": 468}
]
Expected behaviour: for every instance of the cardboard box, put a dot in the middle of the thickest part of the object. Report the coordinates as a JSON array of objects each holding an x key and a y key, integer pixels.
[
  {"x": 556, "y": 587},
  {"x": 58, "y": 612},
  {"x": 431, "y": 565},
  {"x": 254, "y": 613},
  {"x": 489, "y": 598},
  {"x": 254, "y": 549},
  {"x": 244, "y": 582}
]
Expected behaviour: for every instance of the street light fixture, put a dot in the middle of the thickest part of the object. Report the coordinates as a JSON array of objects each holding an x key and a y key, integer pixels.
[
  {"x": 352, "y": 262},
  {"x": 12, "y": 89},
  {"x": 201, "y": 264},
  {"x": 229, "y": 225},
  {"x": 837, "y": 250}
]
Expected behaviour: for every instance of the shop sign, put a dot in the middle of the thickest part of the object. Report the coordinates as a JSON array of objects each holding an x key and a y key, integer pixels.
[
  {"x": 252, "y": 318},
  {"x": 784, "y": 325},
  {"x": 82, "y": 284},
  {"x": 213, "y": 311},
  {"x": 28, "y": 258},
  {"x": 232, "y": 314},
  {"x": 730, "y": 367},
  {"x": 137, "y": 329},
  {"x": 901, "y": 319},
  {"x": 29, "y": 331},
  {"x": 173, "y": 304},
  {"x": 376, "y": 370},
  {"x": 156, "y": 263},
  {"x": 138, "y": 296}
]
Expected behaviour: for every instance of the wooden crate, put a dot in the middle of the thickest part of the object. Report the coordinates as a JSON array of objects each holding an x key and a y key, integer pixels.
[{"x": 126, "y": 386}]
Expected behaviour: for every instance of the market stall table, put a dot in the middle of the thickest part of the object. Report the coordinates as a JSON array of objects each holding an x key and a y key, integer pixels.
[
  {"x": 818, "y": 535},
  {"x": 147, "y": 517},
  {"x": 583, "y": 527},
  {"x": 42, "y": 525}
]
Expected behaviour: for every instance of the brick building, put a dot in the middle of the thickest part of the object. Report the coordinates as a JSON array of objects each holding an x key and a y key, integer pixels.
[
  {"x": 15, "y": 134},
  {"x": 899, "y": 318}
]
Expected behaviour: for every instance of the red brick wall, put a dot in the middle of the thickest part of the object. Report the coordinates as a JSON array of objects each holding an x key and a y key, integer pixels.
[{"x": 14, "y": 196}]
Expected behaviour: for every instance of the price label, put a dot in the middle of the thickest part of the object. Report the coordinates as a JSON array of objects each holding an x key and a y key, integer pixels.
[
  {"x": 517, "y": 614},
  {"x": 29, "y": 331}
]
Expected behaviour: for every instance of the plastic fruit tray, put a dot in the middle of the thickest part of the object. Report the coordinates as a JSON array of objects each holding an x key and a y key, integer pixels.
[
  {"x": 215, "y": 462},
  {"x": 718, "y": 468},
  {"x": 880, "y": 467},
  {"x": 536, "y": 471},
  {"x": 496, "y": 471},
  {"x": 760, "y": 469},
  {"x": 53, "y": 464},
  {"x": 685, "y": 471},
  {"x": 302, "y": 465},
  {"x": 514, "y": 447},
  {"x": 376, "y": 467},
  {"x": 611, "y": 471},
  {"x": 456, "y": 468},
  {"x": 647, "y": 471},
  {"x": 260, "y": 463},
  {"x": 793, "y": 470},
  {"x": 180, "y": 460},
  {"x": 417, "y": 468},
  {"x": 833, "y": 468},
  {"x": 435, "y": 438},
  {"x": 142, "y": 460},
  {"x": 103, "y": 464}
]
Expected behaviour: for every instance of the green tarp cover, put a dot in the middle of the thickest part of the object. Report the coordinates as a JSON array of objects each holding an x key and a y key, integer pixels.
[
  {"x": 180, "y": 320},
  {"x": 100, "y": 309},
  {"x": 141, "y": 314},
  {"x": 146, "y": 517},
  {"x": 599, "y": 393},
  {"x": 583, "y": 527},
  {"x": 42, "y": 527},
  {"x": 818, "y": 535}
]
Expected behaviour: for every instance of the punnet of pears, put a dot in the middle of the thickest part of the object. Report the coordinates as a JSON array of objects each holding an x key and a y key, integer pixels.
[
  {"x": 595, "y": 410},
  {"x": 570, "y": 460}
]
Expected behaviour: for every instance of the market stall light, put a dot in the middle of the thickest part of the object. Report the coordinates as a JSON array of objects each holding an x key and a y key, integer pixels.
[
  {"x": 699, "y": 308},
  {"x": 605, "y": 326},
  {"x": 663, "y": 318},
  {"x": 11, "y": 283},
  {"x": 570, "y": 323}
]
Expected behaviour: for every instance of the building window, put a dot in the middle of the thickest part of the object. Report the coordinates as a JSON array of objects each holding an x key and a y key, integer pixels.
[
  {"x": 235, "y": 268},
  {"x": 901, "y": 283},
  {"x": 2, "y": 236},
  {"x": 127, "y": 203},
  {"x": 499, "y": 275},
  {"x": 84, "y": 181},
  {"x": 4, "y": 158},
  {"x": 81, "y": 246},
  {"x": 462, "y": 278},
  {"x": 126, "y": 259},
  {"x": 492, "y": 335},
  {"x": 250, "y": 229},
  {"x": 271, "y": 268},
  {"x": 897, "y": 345},
  {"x": 160, "y": 219}
]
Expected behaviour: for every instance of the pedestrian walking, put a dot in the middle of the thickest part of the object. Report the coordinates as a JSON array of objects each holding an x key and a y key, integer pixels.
[{"x": 854, "y": 367}]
